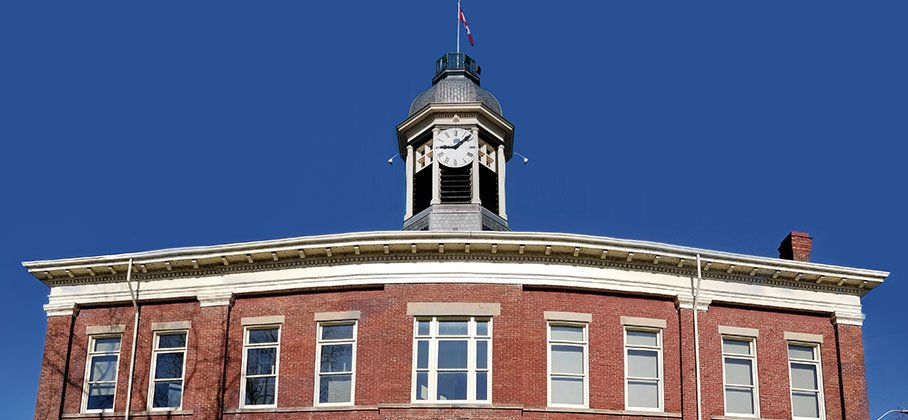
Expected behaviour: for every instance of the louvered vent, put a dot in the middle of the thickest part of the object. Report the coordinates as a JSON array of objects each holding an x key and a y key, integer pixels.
[
  {"x": 422, "y": 190},
  {"x": 488, "y": 189},
  {"x": 455, "y": 184}
]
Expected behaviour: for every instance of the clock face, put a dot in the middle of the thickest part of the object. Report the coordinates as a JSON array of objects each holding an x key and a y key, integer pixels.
[{"x": 455, "y": 147}]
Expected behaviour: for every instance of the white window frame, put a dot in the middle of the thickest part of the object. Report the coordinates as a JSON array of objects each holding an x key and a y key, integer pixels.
[
  {"x": 585, "y": 345},
  {"x": 661, "y": 371},
  {"x": 277, "y": 363},
  {"x": 86, "y": 382},
  {"x": 752, "y": 342},
  {"x": 319, "y": 343},
  {"x": 154, "y": 362},
  {"x": 433, "y": 338},
  {"x": 821, "y": 403}
]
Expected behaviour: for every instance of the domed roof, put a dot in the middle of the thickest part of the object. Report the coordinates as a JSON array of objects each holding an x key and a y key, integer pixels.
[
  {"x": 455, "y": 88},
  {"x": 456, "y": 80}
]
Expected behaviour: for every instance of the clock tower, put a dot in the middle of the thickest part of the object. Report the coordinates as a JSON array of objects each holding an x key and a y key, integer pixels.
[{"x": 455, "y": 144}]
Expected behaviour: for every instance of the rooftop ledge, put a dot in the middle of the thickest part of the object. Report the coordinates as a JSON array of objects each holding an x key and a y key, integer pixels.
[{"x": 560, "y": 248}]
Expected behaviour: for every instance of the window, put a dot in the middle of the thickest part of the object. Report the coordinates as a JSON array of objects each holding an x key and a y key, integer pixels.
[
  {"x": 261, "y": 351},
  {"x": 806, "y": 381},
  {"x": 452, "y": 359},
  {"x": 168, "y": 362},
  {"x": 101, "y": 373},
  {"x": 739, "y": 363},
  {"x": 336, "y": 363},
  {"x": 568, "y": 365},
  {"x": 643, "y": 369}
]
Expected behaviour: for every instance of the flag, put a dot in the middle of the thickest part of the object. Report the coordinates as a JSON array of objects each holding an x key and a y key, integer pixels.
[{"x": 464, "y": 20}]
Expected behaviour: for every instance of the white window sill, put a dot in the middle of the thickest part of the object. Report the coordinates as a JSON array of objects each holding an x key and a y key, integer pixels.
[
  {"x": 116, "y": 414},
  {"x": 601, "y": 411},
  {"x": 299, "y": 409},
  {"x": 733, "y": 417}
]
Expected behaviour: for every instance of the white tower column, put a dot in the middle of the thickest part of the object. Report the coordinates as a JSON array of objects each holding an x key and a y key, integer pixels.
[
  {"x": 408, "y": 209},
  {"x": 436, "y": 171},
  {"x": 475, "y": 169},
  {"x": 500, "y": 164}
]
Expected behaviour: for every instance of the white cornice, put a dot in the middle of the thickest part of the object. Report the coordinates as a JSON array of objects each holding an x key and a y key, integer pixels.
[
  {"x": 557, "y": 248},
  {"x": 67, "y": 308},
  {"x": 219, "y": 289}
]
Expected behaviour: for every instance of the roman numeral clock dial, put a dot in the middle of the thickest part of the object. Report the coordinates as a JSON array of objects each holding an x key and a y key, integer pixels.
[{"x": 455, "y": 147}]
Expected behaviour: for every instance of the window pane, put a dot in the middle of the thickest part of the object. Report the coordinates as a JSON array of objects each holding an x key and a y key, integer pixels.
[
  {"x": 337, "y": 332},
  {"x": 167, "y": 394},
  {"x": 482, "y": 386},
  {"x": 422, "y": 354},
  {"x": 567, "y": 333},
  {"x": 260, "y": 391},
  {"x": 738, "y": 372},
  {"x": 739, "y": 401},
  {"x": 103, "y": 368},
  {"x": 452, "y": 385},
  {"x": 805, "y": 404},
  {"x": 452, "y": 327},
  {"x": 735, "y": 346},
  {"x": 567, "y": 359},
  {"x": 482, "y": 328},
  {"x": 171, "y": 341},
  {"x": 567, "y": 391},
  {"x": 452, "y": 354},
  {"x": 803, "y": 376},
  {"x": 642, "y": 363},
  {"x": 169, "y": 366},
  {"x": 643, "y": 394},
  {"x": 800, "y": 352},
  {"x": 482, "y": 354},
  {"x": 642, "y": 338},
  {"x": 334, "y": 389},
  {"x": 263, "y": 336},
  {"x": 422, "y": 328},
  {"x": 100, "y": 397},
  {"x": 337, "y": 358},
  {"x": 260, "y": 361},
  {"x": 107, "y": 344},
  {"x": 422, "y": 385}
]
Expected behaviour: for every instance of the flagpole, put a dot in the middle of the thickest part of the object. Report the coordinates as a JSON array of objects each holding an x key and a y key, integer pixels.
[{"x": 458, "y": 26}]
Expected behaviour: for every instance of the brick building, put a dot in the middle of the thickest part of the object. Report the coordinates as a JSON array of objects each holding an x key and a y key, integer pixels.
[{"x": 455, "y": 316}]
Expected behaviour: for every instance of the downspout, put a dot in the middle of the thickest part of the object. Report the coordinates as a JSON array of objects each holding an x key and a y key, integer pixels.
[
  {"x": 696, "y": 293},
  {"x": 135, "y": 336}
]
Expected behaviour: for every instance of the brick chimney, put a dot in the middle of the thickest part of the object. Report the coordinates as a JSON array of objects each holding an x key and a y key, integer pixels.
[{"x": 796, "y": 246}]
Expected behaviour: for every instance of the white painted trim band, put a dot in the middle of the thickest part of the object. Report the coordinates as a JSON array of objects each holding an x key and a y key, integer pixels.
[
  {"x": 804, "y": 337},
  {"x": 453, "y": 308},
  {"x": 337, "y": 316},
  {"x": 262, "y": 320},
  {"x": 739, "y": 331},
  {"x": 631, "y": 321}
]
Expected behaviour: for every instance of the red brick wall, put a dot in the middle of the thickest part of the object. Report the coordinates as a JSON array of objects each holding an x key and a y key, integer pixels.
[
  {"x": 854, "y": 379},
  {"x": 606, "y": 344},
  {"x": 772, "y": 358},
  {"x": 384, "y": 353},
  {"x": 97, "y": 317},
  {"x": 53, "y": 368}
]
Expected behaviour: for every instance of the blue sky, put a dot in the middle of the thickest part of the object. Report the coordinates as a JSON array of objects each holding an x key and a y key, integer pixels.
[{"x": 130, "y": 126}]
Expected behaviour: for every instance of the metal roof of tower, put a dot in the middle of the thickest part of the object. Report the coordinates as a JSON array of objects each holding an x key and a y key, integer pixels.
[{"x": 456, "y": 80}]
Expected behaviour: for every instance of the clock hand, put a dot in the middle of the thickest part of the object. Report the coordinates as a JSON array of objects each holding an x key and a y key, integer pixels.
[
  {"x": 467, "y": 137},
  {"x": 447, "y": 147}
]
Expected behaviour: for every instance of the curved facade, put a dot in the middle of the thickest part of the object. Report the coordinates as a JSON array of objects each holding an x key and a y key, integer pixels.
[{"x": 530, "y": 290}]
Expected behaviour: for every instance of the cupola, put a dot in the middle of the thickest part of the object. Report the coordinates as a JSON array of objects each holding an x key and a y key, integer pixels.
[{"x": 455, "y": 144}]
